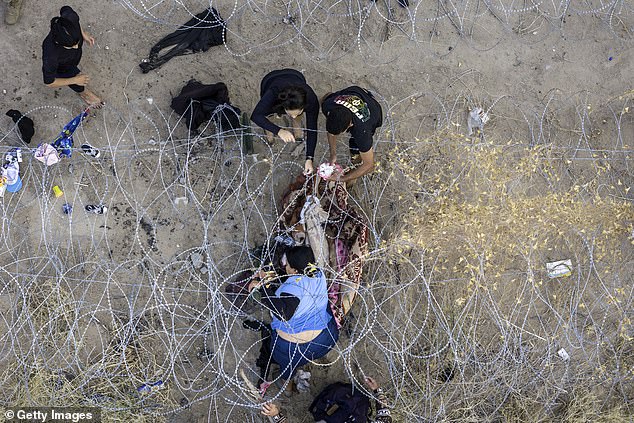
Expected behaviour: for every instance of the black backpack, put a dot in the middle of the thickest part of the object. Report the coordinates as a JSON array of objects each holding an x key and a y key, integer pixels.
[{"x": 340, "y": 403}]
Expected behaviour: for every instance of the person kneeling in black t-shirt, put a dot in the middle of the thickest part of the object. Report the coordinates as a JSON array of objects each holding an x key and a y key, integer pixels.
[
  {"x": 352, "y": 110},
  {"x": 61, "y": 53}
]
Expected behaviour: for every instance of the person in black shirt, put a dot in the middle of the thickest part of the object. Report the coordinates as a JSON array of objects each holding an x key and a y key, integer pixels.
[
  {"x": 383, "y": 414},
  {"x": 285, "y": 91},
  {"x": 61, "y": 53},
  {"x": 354, "y": 110}
]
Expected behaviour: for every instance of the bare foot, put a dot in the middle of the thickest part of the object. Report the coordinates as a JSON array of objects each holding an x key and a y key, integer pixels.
[{"x": 91, "y": 98}]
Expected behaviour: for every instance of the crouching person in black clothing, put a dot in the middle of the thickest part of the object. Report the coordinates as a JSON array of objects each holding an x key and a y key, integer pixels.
[
  {"x": 61, "y": 54},
  {"x": 342, "y": 412},
  {"x": 352, "y": 110},
  {"x": 285, "y": 91}
]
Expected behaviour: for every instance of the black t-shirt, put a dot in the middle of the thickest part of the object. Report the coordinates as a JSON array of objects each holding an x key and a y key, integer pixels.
[
  {"x": 271, "y": 85},
  {"x": 366, "y": 113},
  {"x": 57, "y": 60}
]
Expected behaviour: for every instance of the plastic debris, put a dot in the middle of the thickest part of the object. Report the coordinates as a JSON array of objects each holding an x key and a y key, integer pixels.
[
  {"x": 558, "y": 269},
  {"x": 285, "y": 239},
  {"x": 67, "y": 208},
  {"x": 563, "y": 354},
  {"x": 148, "y": 388},
  {"x": 477, "y": 118},
  {"x": 197, "y": 260},
  {"x": 302, "y": 380}
]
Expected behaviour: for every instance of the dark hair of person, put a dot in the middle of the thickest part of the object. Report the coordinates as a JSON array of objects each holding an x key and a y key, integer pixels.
[
  {"x": 338, "y": 120},
  {"x": 64, "y": 32},
  {"x": 290, "y": 98},
  {"x": 299, "y": 259}
]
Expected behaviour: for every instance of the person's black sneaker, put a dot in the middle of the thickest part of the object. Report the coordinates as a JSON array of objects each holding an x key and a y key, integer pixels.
[
  {"x": 90, "y": 150},
  {"x": 96, "y": 208}
]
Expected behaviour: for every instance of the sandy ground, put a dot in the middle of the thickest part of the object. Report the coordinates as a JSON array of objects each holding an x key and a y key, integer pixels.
[{"x": 135, "y": 261}]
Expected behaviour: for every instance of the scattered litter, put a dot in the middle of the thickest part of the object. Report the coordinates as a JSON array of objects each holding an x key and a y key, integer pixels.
[
  {"x": 4, "y": 91},
  {"x": 563, "y": 354},
  {"x": 204, "y": 270},
  {"x": 107, "y": 48},
  {"x": 148, "y": 388},
  {"x": 197, "y": 260},
  {"x": 302, "y": 380},
  {"x": 150, "y": 100},
  {"x": 57, "y": 191},
  {"x": 67, "y": 208},
  {"x": 325, "y": 170},
  {"x": 152, "y": 141},
  {"x": 96, "y": 208},
  {"x": 46, "y": 154},
  {"x": 558, "y": 269},
  {"x": 285, "y": 239},
  {"x": 477, "y": 118},
  {"x": 179, "y": 200}
]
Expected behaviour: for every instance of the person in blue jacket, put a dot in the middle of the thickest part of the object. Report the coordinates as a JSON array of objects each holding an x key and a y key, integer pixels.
[
  {"x": 285, "y": 91},
  {"x": 303, "y": 328}
]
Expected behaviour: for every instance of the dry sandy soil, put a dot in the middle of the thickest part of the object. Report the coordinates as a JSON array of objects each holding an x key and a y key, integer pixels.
[{"x": 114, "y": 302}]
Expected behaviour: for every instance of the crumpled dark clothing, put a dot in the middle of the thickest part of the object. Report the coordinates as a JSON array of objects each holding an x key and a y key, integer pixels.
[
  {"x": 206, "y": 29},
  {"x": 198, "y": 103}
]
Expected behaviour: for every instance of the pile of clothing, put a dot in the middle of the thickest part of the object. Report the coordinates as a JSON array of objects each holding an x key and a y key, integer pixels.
[{"x": 198, "y": 103}]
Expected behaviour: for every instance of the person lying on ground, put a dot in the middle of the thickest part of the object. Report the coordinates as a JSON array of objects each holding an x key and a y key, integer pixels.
[
  {"x": 61, "y": 54},
  {"x": 303, "y": 328},
  {"x": 352, "y": 110},
  {"x": 285, "y": 91},
  {"x": 383, "y": 414}
]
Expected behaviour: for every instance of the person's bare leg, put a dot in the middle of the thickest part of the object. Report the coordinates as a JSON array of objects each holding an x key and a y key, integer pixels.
[
  {"x": 298, "y": 131},
  {"x": 91, "y": 98}
]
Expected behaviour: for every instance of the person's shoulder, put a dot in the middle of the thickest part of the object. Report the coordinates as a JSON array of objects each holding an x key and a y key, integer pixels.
[{"x": 48, "y": 46}]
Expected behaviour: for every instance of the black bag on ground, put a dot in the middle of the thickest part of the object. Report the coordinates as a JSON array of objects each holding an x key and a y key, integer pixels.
[
  {"x": 199, "y": 102},
  {"x": 204, "y": 30},
  {"x": 340, "y": 403}
]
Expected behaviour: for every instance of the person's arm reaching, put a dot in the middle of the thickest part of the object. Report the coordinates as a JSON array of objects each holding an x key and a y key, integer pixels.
[
  {"x": 332, "y": 146},
  {"x": 283, "y": 307},
  {"x": 312, "y": 115},
  {"x": 88, "y": 38},
  {"x": 383, "y": 414},
  {"x": 271, "y": 410},
  {"x": 80, "y": 79},
  {"x": 262, "y": 109}
]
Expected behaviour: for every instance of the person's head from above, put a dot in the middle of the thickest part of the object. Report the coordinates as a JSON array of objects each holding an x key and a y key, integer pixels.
[
  {"x": 339, "y": 119},
  {"x": 298, "y": 260},
  {"x": 65, "y": 33},
  {"x": 292, "y": 100}
]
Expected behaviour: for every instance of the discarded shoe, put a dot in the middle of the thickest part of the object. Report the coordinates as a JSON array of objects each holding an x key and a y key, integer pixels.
[
  {"x": 90, "y": 150},
  {"x": 96, "y": 208},
  {"x": 13, "y": 12}
]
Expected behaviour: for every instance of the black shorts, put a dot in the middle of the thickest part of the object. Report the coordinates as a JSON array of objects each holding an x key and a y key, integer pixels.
[{"x": 70, "y": 74}]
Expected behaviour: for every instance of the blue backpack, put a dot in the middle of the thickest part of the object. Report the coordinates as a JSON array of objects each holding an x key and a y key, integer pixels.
[{"x": 340, "y": 403}]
